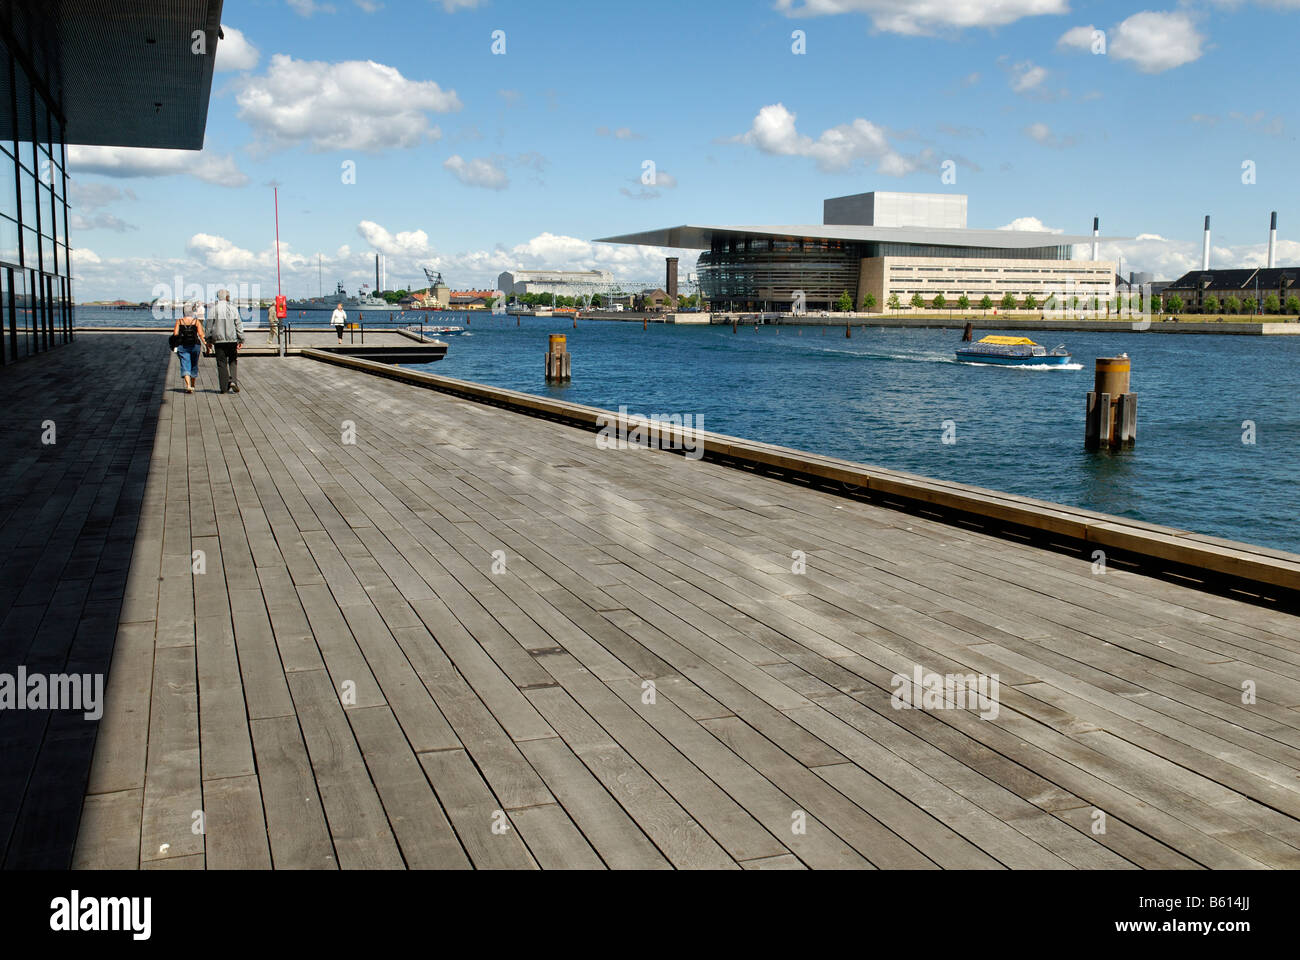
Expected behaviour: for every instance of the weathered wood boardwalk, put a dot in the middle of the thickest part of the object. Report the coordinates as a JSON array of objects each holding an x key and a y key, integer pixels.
[{"x": 472, "y": 638}]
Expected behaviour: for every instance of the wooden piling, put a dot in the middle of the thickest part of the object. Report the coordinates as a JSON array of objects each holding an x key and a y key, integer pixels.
[
  {"x": 559, "y": 367},
  {"x": 848, "y": 332},
  {"x": 1110, "y": 417},
  {"x": 969, "y": 333}
]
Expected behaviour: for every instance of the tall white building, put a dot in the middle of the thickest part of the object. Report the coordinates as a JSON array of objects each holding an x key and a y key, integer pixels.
[{"x": 560, "y": 283}]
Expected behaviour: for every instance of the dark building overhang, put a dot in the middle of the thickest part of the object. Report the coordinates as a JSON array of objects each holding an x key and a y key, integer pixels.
[{"x": 120, "y": 72}]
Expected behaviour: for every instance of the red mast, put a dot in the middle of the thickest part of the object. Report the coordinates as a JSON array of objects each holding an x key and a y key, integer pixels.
[{"x": 277, "y": 242}]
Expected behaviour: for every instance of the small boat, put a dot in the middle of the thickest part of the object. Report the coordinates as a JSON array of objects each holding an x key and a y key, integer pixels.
[{"x": 1013, "y": 352}]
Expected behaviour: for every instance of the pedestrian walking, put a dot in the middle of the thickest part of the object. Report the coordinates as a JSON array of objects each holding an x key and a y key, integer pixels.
[
  {"x": 226, "y": 334},
  {"x": 337, "y": 319},
  {"x": 272, "y": 325},
  {"x": 187, "y": 335}
]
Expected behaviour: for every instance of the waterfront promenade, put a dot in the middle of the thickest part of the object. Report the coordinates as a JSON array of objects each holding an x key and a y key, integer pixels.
[{"x": 472, "y": 638}]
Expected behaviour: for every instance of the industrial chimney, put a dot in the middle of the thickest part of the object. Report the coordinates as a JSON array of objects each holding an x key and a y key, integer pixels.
[
  {"x": 1205, "y": 255},
  {"x": 1096, "y": 232},
  {"x": 1272, "y": 241},
  {"x": 377, "y": 287}
]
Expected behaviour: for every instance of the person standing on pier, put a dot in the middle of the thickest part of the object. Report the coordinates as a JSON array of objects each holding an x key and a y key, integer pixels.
[
  {"x": 272, "y": 325},
  {"x": 189, "y": 339},
  {"x": 337, "y": 319},
  {"x": 227, "y": 335}
]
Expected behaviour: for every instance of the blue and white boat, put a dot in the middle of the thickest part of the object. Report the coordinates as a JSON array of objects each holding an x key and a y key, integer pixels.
[{"x": 1012, "y": 352}]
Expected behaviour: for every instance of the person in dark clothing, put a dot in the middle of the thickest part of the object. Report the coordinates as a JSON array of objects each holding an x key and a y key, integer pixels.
[
  {"x": 226, "y": 334},
  {"x": 189, "y": 330}
]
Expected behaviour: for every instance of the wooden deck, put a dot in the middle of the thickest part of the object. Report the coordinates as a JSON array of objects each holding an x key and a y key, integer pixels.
[{"x": 456, "y": 623}]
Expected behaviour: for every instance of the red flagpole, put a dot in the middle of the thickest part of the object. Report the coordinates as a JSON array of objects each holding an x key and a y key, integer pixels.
[{"x": 277, "y": 241}]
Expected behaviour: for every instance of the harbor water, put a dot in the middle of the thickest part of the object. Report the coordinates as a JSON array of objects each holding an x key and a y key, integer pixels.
[{"x": 1218, "y": 416}]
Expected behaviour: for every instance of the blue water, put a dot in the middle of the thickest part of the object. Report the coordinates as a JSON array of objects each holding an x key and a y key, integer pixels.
[{"x": 882, "y": 397}]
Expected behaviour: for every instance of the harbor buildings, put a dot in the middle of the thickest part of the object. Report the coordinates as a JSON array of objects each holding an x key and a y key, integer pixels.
[{"x": 887, "y": 245}]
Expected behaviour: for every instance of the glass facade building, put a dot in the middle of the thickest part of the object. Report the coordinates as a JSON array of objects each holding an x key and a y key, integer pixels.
[
  {"x": 756, "y": 272},
  {"x": 35, "y": 263}
]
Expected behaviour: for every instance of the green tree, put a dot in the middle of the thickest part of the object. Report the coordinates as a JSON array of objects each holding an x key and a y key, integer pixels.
[
  {"x": 986, "y": 303},
  {"x": 1293, "y": 305},
  {"x": 488, "y": 301},
  {"x": 1211, "y": 304},
  {"x": 892, "y": 303},
  {"x": 939, "y": 301},
  {"x": 1157, "y": 303},
  {"x": 1232, "y": 304},
  {"x": 963, "y": 303},
  {"x": 1250, "y": 305},
  {"x": 917, "y": 301},
  {"x": 1008, "y": 301},
  {"x": 869, "y": 302},
  {"x": 1272, "y": 304},
  {"x": 1174, "y": 302},
  {"x": 1031, "y": 302},
  {"x": 845, "y": 303}
]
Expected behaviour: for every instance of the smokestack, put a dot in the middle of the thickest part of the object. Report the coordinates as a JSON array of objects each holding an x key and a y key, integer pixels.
[
  {"x": 1272, "y": 241},
  {"x": 1096, "y": 232},
  {"x": 1205, "y": 254},
  {"x": 377, "y": 272},
  {"x": 672, "y": 280}
]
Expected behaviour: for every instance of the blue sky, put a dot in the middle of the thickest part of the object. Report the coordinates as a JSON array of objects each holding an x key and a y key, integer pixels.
[{"x": 474, "y": 161}]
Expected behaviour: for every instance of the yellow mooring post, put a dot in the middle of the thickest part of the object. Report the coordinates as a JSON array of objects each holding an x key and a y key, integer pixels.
[
  {"x": 1111, "y": 412},
  {"x": 558, "y": 360}
]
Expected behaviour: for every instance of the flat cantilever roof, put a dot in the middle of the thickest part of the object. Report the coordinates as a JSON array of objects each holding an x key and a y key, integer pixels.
[
  {"x": 697, "y": 237},
  {"x": 121, "y": 73}
]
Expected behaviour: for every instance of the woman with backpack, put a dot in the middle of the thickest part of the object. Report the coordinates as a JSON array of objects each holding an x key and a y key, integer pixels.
[{"x": 188, "y": 338}]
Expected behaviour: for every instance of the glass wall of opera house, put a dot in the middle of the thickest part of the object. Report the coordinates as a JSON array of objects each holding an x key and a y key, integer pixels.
[{"x": 892, "y": 246}]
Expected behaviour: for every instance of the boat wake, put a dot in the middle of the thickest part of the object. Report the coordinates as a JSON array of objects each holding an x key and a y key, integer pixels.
[{"x": 1022, "y": 366}]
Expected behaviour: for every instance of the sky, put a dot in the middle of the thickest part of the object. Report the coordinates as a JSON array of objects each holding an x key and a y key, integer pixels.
[{"x": 476, "y": 136}]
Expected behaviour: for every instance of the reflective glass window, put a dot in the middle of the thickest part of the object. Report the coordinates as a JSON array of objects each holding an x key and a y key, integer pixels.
[
  {"x": 8, "y": 240},
  {"x": 30, "y": 248},
  {"x": 27, "y": 191},
  {"x": 8, "y": 187}
]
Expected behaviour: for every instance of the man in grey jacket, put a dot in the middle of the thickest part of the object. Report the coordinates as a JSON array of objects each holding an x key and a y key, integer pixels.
[{"x": 226, "y": 334}]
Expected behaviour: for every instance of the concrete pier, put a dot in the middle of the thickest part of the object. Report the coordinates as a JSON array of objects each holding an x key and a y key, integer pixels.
[{"x": 423, "y": 612}]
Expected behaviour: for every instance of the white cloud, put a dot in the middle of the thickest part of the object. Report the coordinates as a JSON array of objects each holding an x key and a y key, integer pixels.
[
  {"x": 1032, "y": 224},
  {"x": 1157, "y": 41},
  {"x": 622, "y": 133},
  {"x": 406, "y": 243},
  {"x": 91, "y": 196},
  {"x": 479, "y": 172},
  {"x": 306, "y": 8},
  {"x": 1078, "y": 38},
  {"x": 234, "y": 52},
  {"x": 451, "y": 6},
  {"x": 1042, "y": 133},
  {"x": 219, "y": 169},
  {"x": 1027, "y": 76},
  {"x": 838, "y": 148},
  {"x": 925, "y": 16},
  {"x": 100, "y": 221},
  {"x": 356, "y": 105}
]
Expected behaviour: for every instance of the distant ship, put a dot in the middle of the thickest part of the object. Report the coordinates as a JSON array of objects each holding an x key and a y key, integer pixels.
[{"x": 362, "y": 303}]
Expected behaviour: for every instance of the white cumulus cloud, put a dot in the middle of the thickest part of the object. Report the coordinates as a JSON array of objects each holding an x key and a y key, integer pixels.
[
  {"x": 914, "y": 17},
  {"x": 1032, "y": 224},
  {"x": 835, "y": 149},
  {"x": 1157, "y": 41},
  {"x": 479, "y": 172},
  {"x": 126, "y": 162},
  {"x": 357, "y": 105},
  {"x": 234, "y": 52}
]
